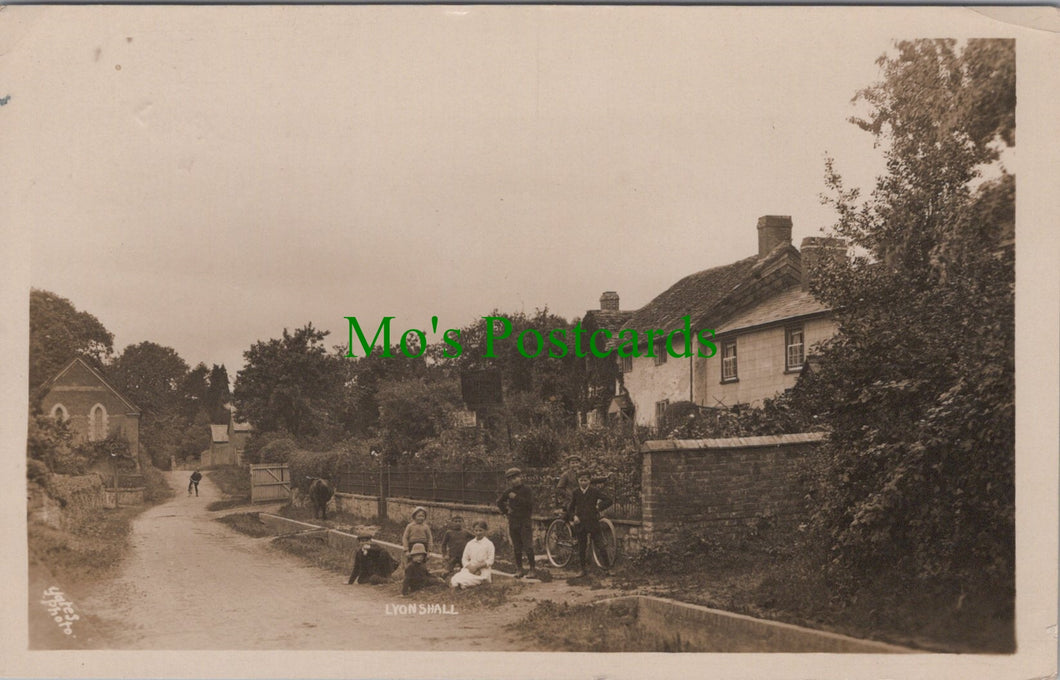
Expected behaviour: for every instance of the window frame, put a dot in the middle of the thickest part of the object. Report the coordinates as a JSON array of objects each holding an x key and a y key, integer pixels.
[
  {"x": 725, "y": 361},
  {"x": 660, "y": 353},
  {"x": 788, "y": 332}
]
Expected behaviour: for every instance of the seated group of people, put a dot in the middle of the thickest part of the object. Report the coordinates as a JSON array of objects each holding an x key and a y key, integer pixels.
[{"x": 469, "y": 555}]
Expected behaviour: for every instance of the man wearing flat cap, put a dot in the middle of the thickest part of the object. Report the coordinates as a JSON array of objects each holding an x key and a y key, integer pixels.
[{"x": 517, "y": 504}]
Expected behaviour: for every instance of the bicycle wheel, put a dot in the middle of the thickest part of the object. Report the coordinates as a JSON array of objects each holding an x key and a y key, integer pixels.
[
  {"x": 559, "y": 543},
  {"x": 609, "y": 547}
]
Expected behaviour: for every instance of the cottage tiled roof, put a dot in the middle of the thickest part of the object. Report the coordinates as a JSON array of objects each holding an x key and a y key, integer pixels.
[
  {"x": 219, "y": 433},
  {"x": 47, "y": 385},
  {"x": 789, "y": 304},
  {"x": 695, "y": 295}
]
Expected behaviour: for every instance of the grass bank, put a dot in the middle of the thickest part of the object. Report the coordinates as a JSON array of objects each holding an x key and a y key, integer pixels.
[
  {"x": 234, "y": 483},
  {"x": 246, "y": 523},
  {"x": 585, "y": 628},
  {"x": 314, "y": 549},
  {"x": 391, "y": 531},
  {"x": 93, "y": 548},
  {"x": 788, "y": 584}
]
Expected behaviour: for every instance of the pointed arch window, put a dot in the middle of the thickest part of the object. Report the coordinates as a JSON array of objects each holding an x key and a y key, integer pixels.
[
  {"x": 97, "y": 423},
  {"x": 60, "y": 413}
]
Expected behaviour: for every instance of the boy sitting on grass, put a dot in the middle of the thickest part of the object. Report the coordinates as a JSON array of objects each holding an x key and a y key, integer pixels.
[
  {"x": 456, "y": 537},
  {"x": 416, "y": 574},
  {"x": 371, "y": 563}
]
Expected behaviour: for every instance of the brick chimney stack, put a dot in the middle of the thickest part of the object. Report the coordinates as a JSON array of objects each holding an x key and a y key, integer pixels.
[
  {"x": 817, "y": 250},
  {"x": 609, "y": 301},
  {"x": 772, "y": 231}
]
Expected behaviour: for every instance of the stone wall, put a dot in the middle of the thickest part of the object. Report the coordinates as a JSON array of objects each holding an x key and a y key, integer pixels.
[
  {"x": 399, "y": 510},
  {"x": 725, "y": 487},
  {"x": 64, "y": 501}
]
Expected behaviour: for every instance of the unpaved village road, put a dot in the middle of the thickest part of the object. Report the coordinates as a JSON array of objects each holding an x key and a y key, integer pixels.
[{"x": 190, "y": 582}]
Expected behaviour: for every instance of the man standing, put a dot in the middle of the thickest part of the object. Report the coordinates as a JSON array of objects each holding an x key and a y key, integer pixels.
[
  {"x": 517, "y": 504},
  {"x": 584, "y": 513},
  {"x": 568, "y": 481}
]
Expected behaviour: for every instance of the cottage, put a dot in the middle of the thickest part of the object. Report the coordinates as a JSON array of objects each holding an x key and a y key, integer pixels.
[
  {"x": 764, "y": 318},
  {"x": 601, "y": 373},
  {"x": 227, "y": 442},
  {"x": 94, "y": 410}
]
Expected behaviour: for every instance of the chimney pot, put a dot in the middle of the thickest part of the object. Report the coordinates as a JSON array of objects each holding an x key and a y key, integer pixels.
[
  {"x": 816, "y": 250},
  {"x": 772, "y": 231}
]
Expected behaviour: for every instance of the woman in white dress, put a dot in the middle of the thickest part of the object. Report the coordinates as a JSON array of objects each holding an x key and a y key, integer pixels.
[{"x": 477, "y": 560}]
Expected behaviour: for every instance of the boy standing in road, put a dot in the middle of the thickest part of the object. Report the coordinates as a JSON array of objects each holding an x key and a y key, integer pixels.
[
  {"x": 517, "y": 504},
  {"x": 196, "y": 477},
  {"x": 584, "y": 513}
]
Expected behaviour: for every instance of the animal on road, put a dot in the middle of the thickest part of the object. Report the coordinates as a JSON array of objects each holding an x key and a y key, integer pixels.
[{"x": 320, "y": 493}]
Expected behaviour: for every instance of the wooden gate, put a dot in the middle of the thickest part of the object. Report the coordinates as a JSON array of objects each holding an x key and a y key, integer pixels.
[{"x": 270, "y": 482}]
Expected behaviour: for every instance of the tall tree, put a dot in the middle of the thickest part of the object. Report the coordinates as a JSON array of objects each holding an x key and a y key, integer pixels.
[
  {"x": 58, "y": 332},
  {"x": 917, "y": 386},
  {"x": 290, "y": 383},
  {"x": 218, "y": 395},
  {"x": 153, "y": 377}
]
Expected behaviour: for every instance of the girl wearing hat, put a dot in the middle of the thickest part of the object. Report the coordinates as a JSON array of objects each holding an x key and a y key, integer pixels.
[
  {"x": 417, "y": 531},
  {"x": 478, "y": 560}
]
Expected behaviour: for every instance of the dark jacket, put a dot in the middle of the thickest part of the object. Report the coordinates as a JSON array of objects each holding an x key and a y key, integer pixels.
[
  {"x": 196, "y": 476},
  {"x": 375, "y": 562},
  {"x": 588, "y": 505},
  {"x": 417, "y": 576},
  {"x": 453, "y": 544},
  {"x": 517, "y": 504}
]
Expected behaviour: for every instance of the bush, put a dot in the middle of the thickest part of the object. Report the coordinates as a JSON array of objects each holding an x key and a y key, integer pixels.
[
  {"x": 539, "y": 446},
  {"x": 309, "y": 464},
  {"x": 278, "y": 451},
  {"x": 156, "y": 488},
  {"x": 258, "y": 441},
  {"x": 36, "y": 471}
]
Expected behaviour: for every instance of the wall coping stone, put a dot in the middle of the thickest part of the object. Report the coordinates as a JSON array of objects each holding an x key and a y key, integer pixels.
[
  {"x": 844, "y": 642},
  {"x": 664, "y": 445}
]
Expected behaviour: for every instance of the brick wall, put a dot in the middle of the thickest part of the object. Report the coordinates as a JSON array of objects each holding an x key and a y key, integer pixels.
[{"x": 724, "y": 486}]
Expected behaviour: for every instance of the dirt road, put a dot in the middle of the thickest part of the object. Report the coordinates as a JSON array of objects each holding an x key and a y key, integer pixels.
[{"x": 192, "y": 583}]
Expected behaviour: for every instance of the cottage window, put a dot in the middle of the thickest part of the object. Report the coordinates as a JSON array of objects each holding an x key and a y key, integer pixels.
[
  {"x": 795, "y": 349},
  {"x": 60, "y": 413},
  {"x": 660, "y": 353},
  {"x": 97, "y": 423},
  {"x": 660, "y": 412},
  {"x": 728, "y": 361},
  {"x": 625, "y": 364}
]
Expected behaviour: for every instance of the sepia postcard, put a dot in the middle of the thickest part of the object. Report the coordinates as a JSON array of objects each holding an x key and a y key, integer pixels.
[{"x": 529, "y": 341}]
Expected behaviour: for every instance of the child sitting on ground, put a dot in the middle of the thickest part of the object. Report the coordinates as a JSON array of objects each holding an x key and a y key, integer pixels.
[
  {"x": 371, "y": 563},
  {"x": 456, "y": 537},
  {"x": 477, "y": 560},
  {"x": 416, "y": 574},
  {"x": 417, "y": 531}
]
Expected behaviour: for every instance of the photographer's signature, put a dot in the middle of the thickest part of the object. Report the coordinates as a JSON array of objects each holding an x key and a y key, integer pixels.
[{"x": 60, "y": 609}]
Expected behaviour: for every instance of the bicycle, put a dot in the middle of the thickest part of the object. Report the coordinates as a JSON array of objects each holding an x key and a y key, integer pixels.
[{"x": 560, "y": 542}]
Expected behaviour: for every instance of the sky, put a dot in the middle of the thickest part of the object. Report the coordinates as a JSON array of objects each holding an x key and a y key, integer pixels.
[{"x": 205, "y": 177}]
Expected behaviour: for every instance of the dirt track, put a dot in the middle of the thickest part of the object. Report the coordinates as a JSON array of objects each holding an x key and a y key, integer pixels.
[{"x": 192, "y": 583}]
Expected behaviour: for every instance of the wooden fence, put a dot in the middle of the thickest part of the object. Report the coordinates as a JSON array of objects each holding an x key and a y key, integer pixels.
[{"x": 269, "y": 482}]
